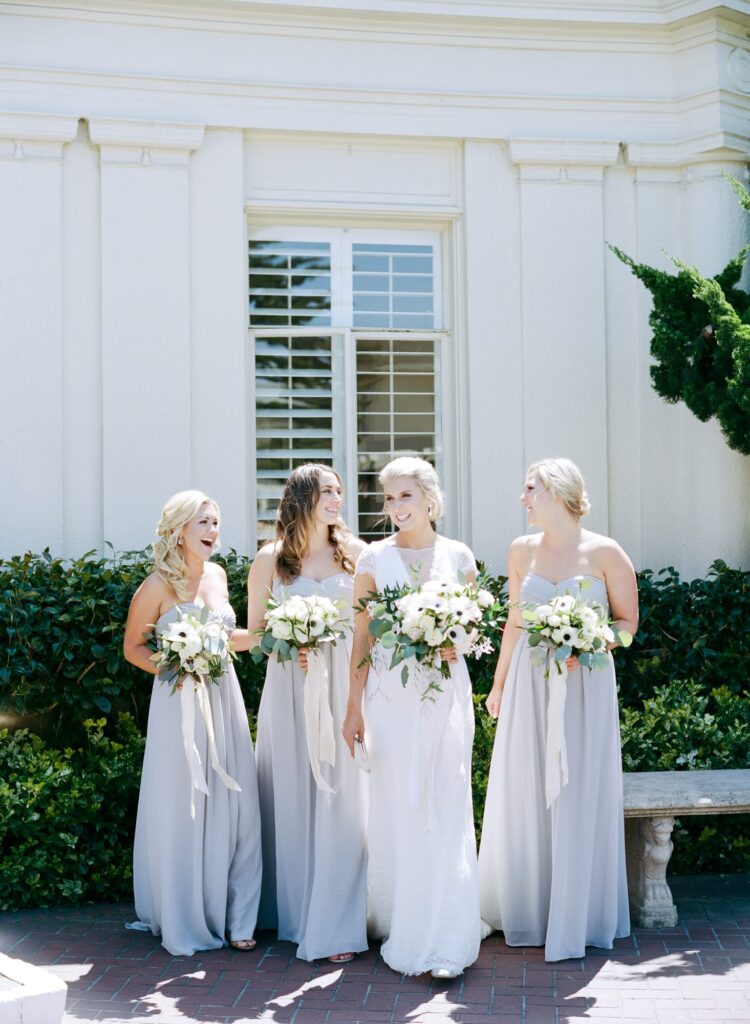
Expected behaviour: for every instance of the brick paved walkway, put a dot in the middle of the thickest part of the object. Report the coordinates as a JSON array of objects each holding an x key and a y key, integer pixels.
[{"x": 699, "y": 971}]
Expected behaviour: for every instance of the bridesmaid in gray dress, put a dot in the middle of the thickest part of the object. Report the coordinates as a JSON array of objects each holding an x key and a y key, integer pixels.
[
  {"x": 197, "y": 856},
  {"x": 552, "y": 858},
  {"x": 314, "y": 815}
]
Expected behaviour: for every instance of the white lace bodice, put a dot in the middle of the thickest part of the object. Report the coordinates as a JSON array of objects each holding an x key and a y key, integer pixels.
[{"x": 390, "y": 565}]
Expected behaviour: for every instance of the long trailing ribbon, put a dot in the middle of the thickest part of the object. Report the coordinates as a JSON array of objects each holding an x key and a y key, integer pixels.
[
  {"x": 556, "y": 767},
  {"x": 188, "y": 699},
  {"x": 321, "y": 743},
  {"x": 422, "y": 756}
]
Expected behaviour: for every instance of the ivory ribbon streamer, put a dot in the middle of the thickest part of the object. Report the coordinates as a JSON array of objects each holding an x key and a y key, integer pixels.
[
  {"x": 556, "y": 768},
  {"x": 423, "y": 755},
  {"x": 321, "y": 744},
  {"x": 188, "y": 699}
]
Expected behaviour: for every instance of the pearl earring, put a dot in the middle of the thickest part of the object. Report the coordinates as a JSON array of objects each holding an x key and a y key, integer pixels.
[{"x": 179, "y": 541}]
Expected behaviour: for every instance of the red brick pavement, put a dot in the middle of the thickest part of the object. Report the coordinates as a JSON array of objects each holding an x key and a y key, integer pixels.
[{"x": 697, "y": 972}]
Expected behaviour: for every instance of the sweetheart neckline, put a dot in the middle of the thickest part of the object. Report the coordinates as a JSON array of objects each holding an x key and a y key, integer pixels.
[
  {"x": 194, "y": 604},
  {"x": 566, "y": 579},
  {"x": 325, "y": 579}
]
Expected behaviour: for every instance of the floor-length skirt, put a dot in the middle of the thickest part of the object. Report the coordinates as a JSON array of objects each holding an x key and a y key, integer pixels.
[
  {"x": 314, "y": 843},
  {"x": 555, "y": 878},
  {"x": 197, "y": 880},
  {"x": 422, "y": 877}
]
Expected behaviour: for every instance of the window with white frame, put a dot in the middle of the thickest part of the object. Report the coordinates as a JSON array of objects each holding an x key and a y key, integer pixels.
[{"x": 346, "y": 332}]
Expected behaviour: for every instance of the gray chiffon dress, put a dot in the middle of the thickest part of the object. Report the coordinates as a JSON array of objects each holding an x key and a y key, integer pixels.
[
  {"x": 197, "y": 880},
  {"x": 555, "y": 877},
  {"x": 314, "y": 844}
]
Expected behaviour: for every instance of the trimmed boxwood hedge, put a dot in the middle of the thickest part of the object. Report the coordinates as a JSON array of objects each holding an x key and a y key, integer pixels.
[{"x": 69, "y": 785}]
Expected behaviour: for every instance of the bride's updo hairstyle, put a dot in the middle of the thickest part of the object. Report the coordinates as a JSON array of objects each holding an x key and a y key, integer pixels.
[
  {"x": 563, "y": 479},
  {"x": 425, "y": 476},
  {"x": 168, "y": 560},
  {"x": 295, "y": 522}
]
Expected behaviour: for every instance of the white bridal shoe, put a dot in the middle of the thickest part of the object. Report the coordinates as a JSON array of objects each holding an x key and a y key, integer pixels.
[{"x": 444, "y": 973}]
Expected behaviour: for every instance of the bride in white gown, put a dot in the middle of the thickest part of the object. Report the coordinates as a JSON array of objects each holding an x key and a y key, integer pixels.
[
  {"x": 422, "y": 888},
  {"x": 552, "y": 860}
]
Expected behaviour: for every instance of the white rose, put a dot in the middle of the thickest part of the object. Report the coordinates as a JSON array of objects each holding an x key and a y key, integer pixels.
[
  {"x": 485, "y": 599},
  {"x": 553, "y": 619},
  {"x": 201, "y": 666},
  {"x": 281, "y": 629}
]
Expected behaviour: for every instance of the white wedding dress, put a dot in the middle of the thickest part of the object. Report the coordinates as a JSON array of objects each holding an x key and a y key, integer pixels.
[{"x": 423, "y": 895}]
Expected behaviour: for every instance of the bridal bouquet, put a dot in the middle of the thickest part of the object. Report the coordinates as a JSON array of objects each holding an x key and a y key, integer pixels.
[
  {"x": 415, "y": 622},
  {"x": 299, "y": 621},
  {"x": 193, "y": 649},
  {"x": 194, "y": 645},
  {"x": 567, "y": 626}
]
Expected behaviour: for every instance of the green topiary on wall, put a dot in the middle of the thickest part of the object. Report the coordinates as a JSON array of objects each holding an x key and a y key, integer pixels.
[{"x": 701, "y": 340}]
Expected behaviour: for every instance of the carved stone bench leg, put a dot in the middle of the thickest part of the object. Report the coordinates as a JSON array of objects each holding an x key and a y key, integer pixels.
[{"x": 649, "y": 846}]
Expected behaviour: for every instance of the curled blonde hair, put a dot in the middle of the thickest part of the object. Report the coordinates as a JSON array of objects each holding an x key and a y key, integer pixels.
[
  {"x": 423, "y": 473},
  {"x": 169, "y": 563},
  {"x": 295, "y": 520},
  {"x": 563, "y": 479}
]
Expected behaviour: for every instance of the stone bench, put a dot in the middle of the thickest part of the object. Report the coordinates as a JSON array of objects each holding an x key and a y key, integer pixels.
[
  {"x": 652, "y": 801},
  {"x": 28, "y": 994}
]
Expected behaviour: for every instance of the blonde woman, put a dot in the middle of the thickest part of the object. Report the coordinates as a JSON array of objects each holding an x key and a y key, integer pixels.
[
  {"x": 197, "y": 856},
  {"x": 552, "y": 859},
  {"x": 313, "y": 812},
  {"x": 422, "y": 874}
]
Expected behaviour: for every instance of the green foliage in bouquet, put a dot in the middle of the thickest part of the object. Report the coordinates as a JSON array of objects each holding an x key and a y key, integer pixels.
[
  {"x": 701, "y": 340},
  {"x": 67, "y": 816}
]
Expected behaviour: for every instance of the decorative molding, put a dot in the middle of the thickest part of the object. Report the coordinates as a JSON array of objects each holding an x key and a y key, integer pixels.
[
  {"x": 562, "y": 160},
  {"x": 145, "y": 143},
  {"x": 564, "y": 152},
  {"x": 716, "y": 147},
  {"x": 649, "y": 13},
  {"x": 35, "y": 136},
  {"x": 38, "y": 127},
  {"x": 738, "y": 69}
]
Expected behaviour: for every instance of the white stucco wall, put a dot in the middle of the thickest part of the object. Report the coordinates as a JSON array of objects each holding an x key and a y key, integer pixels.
[{"x": 527, "y": 137}]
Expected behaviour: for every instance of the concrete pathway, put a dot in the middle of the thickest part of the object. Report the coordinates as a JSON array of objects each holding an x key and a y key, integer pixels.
[{"x": 699, "y": 971}]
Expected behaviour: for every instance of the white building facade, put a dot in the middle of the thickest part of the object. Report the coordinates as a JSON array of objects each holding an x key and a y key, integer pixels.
[{"x": 235, "y": 236}]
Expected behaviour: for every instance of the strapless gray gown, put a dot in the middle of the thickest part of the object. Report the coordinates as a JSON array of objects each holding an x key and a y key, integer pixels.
[
  {"x": 555, "y": 878},
  {"x": 197, "y": 882},
  {"x": 314, "y": 842}
]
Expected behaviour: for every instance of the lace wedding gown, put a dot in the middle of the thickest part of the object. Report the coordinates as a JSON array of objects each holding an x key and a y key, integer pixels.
[
  {"x": 314, "y": 842},
  {"x": 197, "y": 880},
  {"x": 555, "y": 878},
  {"x": 423, "y": 898}
]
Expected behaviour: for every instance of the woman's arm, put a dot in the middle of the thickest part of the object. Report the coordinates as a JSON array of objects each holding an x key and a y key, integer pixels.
[
  {"x": 354, "y": 723},
  {"x": 259, "y": 582},
  {"x": 512, "y": 631},
  {"x": 142, "y": 615},
  {"x": 622, "y": 588}
]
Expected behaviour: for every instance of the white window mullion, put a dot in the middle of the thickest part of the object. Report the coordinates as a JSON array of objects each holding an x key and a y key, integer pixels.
[{"x": 346, "y": 358}]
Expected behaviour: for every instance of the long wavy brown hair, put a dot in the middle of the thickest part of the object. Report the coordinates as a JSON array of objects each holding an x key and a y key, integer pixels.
[{"x": 295, "y": 519}]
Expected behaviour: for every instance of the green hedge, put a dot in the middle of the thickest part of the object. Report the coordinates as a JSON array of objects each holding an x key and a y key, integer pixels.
[
  {"x": 66, "y": 816},
  {"x": 61, "y": 625}
]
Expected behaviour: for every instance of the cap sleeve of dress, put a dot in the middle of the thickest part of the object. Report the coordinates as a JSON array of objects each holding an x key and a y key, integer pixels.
[
  {"x": 465, "y": 561},
  {"x": 365, "y": 564}
]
